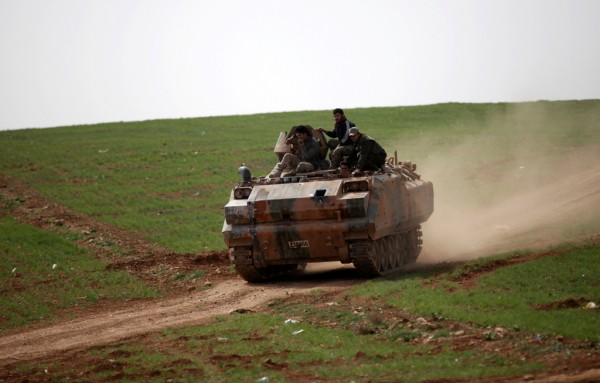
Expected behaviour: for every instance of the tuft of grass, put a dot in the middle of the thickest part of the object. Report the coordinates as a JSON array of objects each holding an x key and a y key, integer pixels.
[{"x": 191, "y": 276}]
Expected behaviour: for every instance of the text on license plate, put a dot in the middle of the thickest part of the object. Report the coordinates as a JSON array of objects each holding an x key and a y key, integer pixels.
[{"x": 298, "y": 244}]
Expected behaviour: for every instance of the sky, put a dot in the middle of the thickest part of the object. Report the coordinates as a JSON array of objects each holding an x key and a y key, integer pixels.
[{"x": 74, "y": 62}]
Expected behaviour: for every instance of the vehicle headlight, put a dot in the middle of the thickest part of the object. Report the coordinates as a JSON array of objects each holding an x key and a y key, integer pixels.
[{"x": 242, "y": 192}]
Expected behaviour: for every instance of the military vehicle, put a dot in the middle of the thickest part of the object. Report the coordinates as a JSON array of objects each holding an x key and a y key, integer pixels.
[{"x": 275, "y": 226}]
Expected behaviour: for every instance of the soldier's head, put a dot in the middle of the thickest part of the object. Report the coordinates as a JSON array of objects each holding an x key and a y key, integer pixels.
[
  {"x": 354, "y": 134},
  {"x": 302, "y": 132},
  {"x": 338, "y": 115},
  {"x": 344, "y": 169}
]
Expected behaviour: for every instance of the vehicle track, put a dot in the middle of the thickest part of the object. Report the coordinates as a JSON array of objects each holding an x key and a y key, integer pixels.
[{"x": 143, "y": 316}]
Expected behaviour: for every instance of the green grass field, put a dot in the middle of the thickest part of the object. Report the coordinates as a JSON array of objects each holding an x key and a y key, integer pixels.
[
  {"x": 418, "y": 326},
  {"x": 42, "y": 273},
  {"x": 168, "y": 180}
]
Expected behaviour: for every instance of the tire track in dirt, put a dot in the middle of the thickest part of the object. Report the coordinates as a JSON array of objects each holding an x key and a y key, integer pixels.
[
  {"x": 148, "y": 316},
  {"x": 184, "y": 306}
]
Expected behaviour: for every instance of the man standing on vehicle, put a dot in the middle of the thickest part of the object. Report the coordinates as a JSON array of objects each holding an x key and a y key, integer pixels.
[
  {"x": 339, "y": 144},
  {"x": 305, "y": 160},
  {"x": 369, "y": 154}
]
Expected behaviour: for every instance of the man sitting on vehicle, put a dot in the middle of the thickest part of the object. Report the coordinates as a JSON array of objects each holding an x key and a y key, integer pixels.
[
  {"x": 305, "y": 160},
  {"x": 368, "y": 153},
  {"x": 339, "y": 144}
]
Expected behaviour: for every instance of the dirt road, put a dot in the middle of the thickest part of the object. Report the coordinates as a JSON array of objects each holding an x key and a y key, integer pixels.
[
  {"x": 186, "y": 305},
  {"x": 139, "y": 317}
]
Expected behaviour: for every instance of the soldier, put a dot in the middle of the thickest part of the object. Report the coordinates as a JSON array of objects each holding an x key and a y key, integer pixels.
[
  {"x": 305, "y": 160},
  {"x": 367, "y": 152},
  {"x": 344, "y": 171},
  {"x": 340, "y": 144}
]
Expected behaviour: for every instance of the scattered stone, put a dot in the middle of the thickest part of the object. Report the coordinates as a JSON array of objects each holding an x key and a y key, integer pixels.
[
  {"x": 501, "y": 332},
  {"x": 422, "y": 321},
  {"x": 433, "y": 326}
]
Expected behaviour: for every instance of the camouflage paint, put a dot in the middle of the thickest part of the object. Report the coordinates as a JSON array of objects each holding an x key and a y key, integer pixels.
[{"x": 312, "y": 221}]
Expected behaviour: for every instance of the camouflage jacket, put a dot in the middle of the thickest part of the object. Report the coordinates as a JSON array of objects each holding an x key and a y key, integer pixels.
[{"x": 367, "y": 148}]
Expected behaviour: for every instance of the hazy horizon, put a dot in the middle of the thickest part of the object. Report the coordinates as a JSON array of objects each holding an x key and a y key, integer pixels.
[{"x": 71, "y": 63}]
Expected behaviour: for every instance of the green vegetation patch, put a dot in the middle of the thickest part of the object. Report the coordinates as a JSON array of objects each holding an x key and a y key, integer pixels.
[
  {"x": 251, "y": 347},
  {"x": 40, "y": 273},
  {"x": 547, "y": 294}
]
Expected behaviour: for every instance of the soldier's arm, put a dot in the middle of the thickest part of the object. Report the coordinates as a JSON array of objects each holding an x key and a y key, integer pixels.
[
  {"x": 293, "y": 143},
  {"x": 365, "y": 149},
  {"x": 329, "y": 133}
]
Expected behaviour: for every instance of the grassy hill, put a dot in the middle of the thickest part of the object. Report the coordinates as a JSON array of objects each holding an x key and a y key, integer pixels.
[
  {"x": 507, "y": 177},
  {"x": 169, "y": 179}
]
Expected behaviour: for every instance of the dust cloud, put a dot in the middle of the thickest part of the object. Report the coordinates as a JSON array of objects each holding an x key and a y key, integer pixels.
[{"x": 521, "y": 182}]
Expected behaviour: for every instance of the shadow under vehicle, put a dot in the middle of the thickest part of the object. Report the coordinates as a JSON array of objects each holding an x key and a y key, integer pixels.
[{"x": 275, "y": 226}]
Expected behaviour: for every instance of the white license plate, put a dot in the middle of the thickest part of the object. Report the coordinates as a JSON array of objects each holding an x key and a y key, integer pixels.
[{"x": 298, "y": 244}]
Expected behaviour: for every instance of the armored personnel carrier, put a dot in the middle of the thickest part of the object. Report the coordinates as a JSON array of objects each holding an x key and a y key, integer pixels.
[{"x": 275, "y": 226}]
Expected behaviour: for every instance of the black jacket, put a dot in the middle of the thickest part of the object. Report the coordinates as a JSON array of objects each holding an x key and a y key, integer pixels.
[
  {"x": 310, "y": 151},
  {"x": 340, "y": 131}
]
